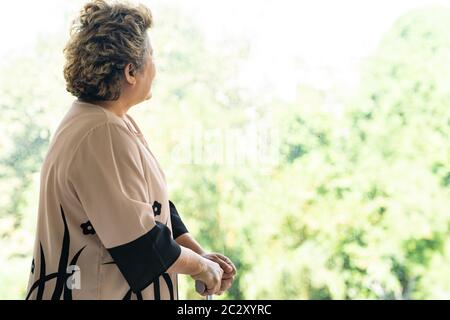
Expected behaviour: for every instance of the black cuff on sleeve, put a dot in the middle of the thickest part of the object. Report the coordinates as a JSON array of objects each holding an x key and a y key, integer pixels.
[
  {"x": 178, "y": 227},
  {"x": 142, "y": 260}
]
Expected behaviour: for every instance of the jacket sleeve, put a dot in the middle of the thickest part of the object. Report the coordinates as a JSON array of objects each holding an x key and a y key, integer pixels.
[{"x": 178, "y": 227}]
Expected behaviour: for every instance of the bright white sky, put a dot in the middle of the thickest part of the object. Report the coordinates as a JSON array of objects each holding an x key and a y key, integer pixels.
[{"x": 324, "y": 35}]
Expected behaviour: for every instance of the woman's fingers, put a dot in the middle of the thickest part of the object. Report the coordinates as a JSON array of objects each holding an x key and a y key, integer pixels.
[
  {"x": 229, "y": 272},
  {"x": 232, "y": 267},
  {"x": 226, "y": 267},
  {"x": 226, "y": 284},
  {"x": 214, "y": 290},
  {"x": 227, "y": 276}
]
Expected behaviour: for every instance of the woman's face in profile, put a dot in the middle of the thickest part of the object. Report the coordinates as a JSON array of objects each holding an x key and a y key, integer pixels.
[{"x": 145, "y": 78}]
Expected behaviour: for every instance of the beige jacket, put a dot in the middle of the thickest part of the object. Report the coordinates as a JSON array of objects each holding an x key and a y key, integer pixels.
[{"x": 104, "y": 227}]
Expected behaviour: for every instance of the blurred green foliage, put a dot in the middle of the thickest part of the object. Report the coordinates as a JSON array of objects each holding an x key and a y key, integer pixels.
[{"x": 357, "y": 205}]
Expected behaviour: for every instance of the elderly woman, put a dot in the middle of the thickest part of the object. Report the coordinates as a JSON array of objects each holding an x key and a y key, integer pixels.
[{"x": 106, "y": 228}]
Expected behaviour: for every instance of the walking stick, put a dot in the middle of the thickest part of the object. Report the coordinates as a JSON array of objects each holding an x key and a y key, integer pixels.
[{"x": 200, "y": 288}]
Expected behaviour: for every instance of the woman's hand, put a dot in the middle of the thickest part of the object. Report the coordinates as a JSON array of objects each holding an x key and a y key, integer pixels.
[
  {"x": 228, "y": 267},
  {"x": 211, "y": 275}
]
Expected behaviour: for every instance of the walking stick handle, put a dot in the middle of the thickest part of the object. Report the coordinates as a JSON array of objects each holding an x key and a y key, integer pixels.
[{"x": 200, "y": 287}]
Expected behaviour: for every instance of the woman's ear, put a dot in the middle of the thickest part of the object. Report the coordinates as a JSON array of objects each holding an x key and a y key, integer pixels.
[{"x": 130, "y": 73}]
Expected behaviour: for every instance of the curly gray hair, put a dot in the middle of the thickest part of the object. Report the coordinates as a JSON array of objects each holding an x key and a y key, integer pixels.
[{"x": 103, "y": 40}]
